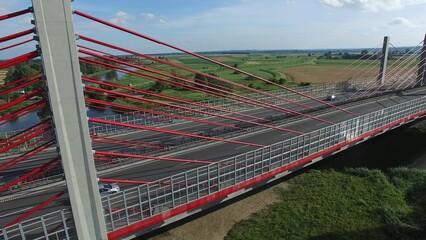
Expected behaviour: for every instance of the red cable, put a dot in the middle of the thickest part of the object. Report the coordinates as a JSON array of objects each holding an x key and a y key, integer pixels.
[
  {"x": 114, "y": 154},
  {"x": 174, "y": 132},
  {"x": 20, "y": 59},
  {"x": 25, "y": 139},
  {"x": 26, "y": 130},
  {"x": 16, "y": 44},
  {"x": 170, "y": 82},
  {"x": 130, "y": 142},
  {"x": 25, "y": 156},
  {"x": 19, "y": 80},
  {"x": 16, "y": 35},
  {"x": 36, "y": 170},
  {"x": 205, "y": 58},
  {"x": 20, "y": 86},
  {"x": 21, "y": 99},
  {"x": 190, "y": 109},
  {"x": 29, "y": 213},
  {"x": 161, "y": 113},
  {"x": 15, "y": 14},
  {"x": 23, "y": 111}
]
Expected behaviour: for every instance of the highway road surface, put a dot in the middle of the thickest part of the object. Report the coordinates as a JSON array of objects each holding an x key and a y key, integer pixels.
[{"x": 214, "y": 151}]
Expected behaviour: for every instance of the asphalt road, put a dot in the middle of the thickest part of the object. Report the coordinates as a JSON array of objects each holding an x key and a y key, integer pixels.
[{"x": 154, "y": 170}]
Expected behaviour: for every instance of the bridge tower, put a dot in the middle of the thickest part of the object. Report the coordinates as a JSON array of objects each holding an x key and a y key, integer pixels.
[
  {"x": 55, "y": 30},
  {"x": 384, "y": 61},
  {"x": 421, "y": 75}
]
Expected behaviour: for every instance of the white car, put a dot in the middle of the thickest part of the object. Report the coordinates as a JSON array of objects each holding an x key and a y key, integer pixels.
[
  {"x": 331, "y": 97},
  {"x": 108, "y": 188}
]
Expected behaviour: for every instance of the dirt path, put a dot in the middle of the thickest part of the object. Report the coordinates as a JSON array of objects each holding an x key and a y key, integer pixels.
[{"x": 216, "y": 225}]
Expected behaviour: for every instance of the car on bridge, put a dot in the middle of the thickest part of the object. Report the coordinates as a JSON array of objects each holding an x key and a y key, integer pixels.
[
  {"x": 108, "y": 188},
  {"x": 331, "y": 97}
]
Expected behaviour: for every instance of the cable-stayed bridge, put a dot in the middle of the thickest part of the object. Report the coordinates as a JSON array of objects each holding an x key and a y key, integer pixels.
[{"x": 172, "y": 156}]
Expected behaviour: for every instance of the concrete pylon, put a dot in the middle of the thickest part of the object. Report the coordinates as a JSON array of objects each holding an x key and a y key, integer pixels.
[
  {"x": 421, "y": 75},
  {"x": 384, "y": 62},
  {"x": 55, "y": 29}
]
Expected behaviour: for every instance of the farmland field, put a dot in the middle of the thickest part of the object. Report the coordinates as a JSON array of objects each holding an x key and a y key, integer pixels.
[{"x": 2, "y": 76}]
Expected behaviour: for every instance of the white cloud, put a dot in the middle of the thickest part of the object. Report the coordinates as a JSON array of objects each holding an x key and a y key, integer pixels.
[
  {"x": 403, "y": 22},
  {"x": 372, "y": 5},
  {"x": 121, "y": 18},
  {"x": 149, "y": 16},
  {"x": 153, "y": 18}
]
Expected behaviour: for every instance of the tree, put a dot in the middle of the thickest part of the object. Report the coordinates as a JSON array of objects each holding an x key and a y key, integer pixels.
[
  {"x": 208, "y": 81},
  {"x": 111, "y": 75}
]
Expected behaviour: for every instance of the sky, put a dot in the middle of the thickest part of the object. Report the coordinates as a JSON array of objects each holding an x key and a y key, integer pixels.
[{"x": 214, "y": 25}]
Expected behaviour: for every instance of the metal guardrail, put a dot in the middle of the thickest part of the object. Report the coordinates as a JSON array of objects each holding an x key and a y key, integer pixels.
[
  {"x": 150, "y": 200},
  {"x": 53, "y": 226},
  {"x": 146, "y": 201}
]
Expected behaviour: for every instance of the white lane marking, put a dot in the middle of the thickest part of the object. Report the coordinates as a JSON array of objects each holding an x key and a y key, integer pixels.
[
  {"x": 241, "y": 147},
  {"x": 12, "y": 213}
]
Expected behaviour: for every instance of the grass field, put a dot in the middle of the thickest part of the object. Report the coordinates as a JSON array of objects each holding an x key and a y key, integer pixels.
[
  {"x": 292, "y": 68},
  {"x": 2, "y": 76},
  {"x": 354, "y": 204}
]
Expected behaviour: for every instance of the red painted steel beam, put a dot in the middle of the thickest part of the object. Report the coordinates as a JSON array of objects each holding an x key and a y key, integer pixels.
[
  {"x": 124, "y": 155},
  {"x": 174, "y": 132},
  {"x": 15, "y": 14},
  {"x": 32, "y": 211},
  {"x": 205, "y": 58},
  {"x": 16, "y": 35}
]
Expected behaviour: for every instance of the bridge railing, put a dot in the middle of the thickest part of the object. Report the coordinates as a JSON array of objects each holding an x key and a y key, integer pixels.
[
  {"x": 200, "y": 186},
  {"x": 56, "y": 225},
  {"x": 208, "y": 182},
  {"x": 149, "y": 119}
]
